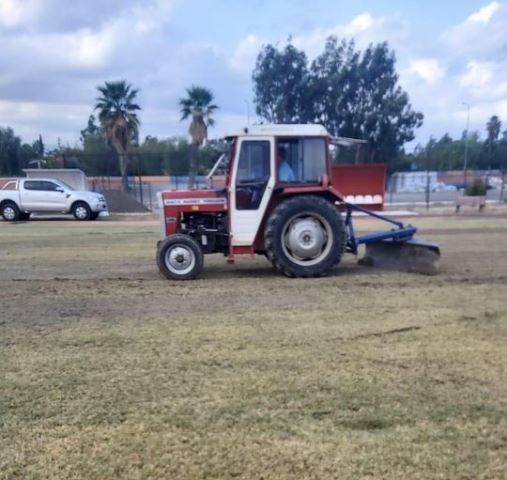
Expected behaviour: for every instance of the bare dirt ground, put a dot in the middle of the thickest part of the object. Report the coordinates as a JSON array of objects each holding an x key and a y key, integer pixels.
[{"x": 108, "y": 370}]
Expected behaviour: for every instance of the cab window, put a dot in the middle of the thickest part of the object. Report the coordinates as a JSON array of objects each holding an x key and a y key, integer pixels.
[
  {"x": 253, "y": 173},
  {"x": 301, "y": 160},
  {"x": 49, "y": 186},
  {"x": 32, "y": 185}
]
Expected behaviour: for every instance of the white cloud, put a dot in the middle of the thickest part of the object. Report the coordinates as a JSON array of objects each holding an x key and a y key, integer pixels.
[
  {"x": 484, "y": 14},
  {"x": 147, "y": 18},
  {"x": 17, "y": 13},
  {"x": 481, "y": 35},
  {"x": 363, "y": 28},
  {"x": 361, "y": 23},
  {"x": 83, "y": 49},
  {"x": 477, "y": 75},
  {"x": 429, "y": 69},
  {"x": 29, "y": 119},
  {"x": 245, "y": 54},
  {"x": 103, "y": 45}
]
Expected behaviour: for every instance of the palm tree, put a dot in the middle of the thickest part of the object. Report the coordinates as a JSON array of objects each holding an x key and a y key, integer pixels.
[
  {"x": 197, "y": 104},
  {"x": 118, "y": 119}
]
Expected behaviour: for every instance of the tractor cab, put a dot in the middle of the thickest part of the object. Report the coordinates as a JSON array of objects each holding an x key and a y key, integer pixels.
[{"x": 274, "y": 192}]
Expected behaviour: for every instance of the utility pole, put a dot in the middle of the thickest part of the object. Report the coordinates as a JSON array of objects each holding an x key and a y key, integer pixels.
[
  {"x": 465, "y": 161},
  {"x": 247, "y": 112},
  {"x": 427, "y": 178}
]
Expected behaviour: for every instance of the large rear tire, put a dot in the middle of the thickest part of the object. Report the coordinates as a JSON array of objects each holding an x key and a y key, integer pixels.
[
  {"x": 305, "y": 237},
  {"x": 10, "y": 212},
  {"x": 179, "y": 257}
]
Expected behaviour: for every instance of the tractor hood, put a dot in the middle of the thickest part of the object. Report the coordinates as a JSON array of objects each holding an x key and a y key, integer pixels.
[
  {"x": 195, "y": 200},
  {"x": 175, "y": 203}
]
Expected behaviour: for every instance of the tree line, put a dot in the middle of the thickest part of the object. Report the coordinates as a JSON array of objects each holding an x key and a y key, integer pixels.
[
  {"x": 352, "y": 93},
  {"x": 446, "y": 153}
]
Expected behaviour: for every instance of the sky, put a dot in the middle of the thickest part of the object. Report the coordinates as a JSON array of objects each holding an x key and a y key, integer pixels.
[{"x": 54, "y": 53}]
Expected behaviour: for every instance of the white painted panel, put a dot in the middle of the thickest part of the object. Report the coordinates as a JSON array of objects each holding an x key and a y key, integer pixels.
[{"x": 245, "y": 223}]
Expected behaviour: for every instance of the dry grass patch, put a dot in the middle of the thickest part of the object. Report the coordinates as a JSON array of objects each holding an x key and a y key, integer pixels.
[{"x": 109, "y": 371}]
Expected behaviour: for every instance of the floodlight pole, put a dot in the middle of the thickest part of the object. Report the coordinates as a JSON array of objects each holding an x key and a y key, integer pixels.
[
  {"x": 247, "y": 112},
  {"x": 427, "y": 178}
]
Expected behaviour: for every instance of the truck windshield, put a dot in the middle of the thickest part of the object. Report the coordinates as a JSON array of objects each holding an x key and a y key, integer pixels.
[{"x": 65, "y": 185}]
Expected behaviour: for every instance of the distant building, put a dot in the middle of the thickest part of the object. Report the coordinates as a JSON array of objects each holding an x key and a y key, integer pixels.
[
  {"x": 413, "y": 181},
  {"x": 71, "y": 176}
]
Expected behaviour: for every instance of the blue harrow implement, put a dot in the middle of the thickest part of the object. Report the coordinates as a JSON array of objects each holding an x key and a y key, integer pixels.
[{"x": 395, "y": 249}]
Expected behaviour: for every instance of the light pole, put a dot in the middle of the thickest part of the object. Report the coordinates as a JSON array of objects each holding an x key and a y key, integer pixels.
[
  {"x": 247, "y": 112},
  {"x": 465, "y": 161}
]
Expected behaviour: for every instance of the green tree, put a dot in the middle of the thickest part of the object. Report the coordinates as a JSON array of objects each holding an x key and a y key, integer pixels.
[
  {"x": 381, "y": 110},
  {"x": 13, "y": 154},
  {"x": 280, "y": 84},
  {"x": 333, "y": 84},
  {"x": 91, "y": 128},
  {"x": 38, "y": 147},
  {"x": 119, "y": 120},
  {"x": 352, "y": 93},
  {"x": 493, "y": 128},
  {"x": 96, "y": 157},
  {"x": 198, "y": 104}
]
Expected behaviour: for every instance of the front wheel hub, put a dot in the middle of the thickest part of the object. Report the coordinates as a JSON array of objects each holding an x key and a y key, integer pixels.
[
  {"x": 180, "y": 259},
  {"x": 81, "y": 212}
]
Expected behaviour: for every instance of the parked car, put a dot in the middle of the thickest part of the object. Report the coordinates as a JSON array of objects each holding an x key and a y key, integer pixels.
[{"x": 20, "y": 198}]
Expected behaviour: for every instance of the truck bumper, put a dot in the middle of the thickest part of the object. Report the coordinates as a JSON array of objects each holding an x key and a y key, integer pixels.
[{"x": 99, "y": 207}]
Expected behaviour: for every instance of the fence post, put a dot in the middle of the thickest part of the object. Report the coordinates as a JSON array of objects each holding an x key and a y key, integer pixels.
[
  {"x": 502, "y": 188},
  {"x": 427, "y": 190}
]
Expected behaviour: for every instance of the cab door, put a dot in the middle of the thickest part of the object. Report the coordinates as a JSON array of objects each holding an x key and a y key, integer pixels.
[
  {"x": 32, "y": 195},
  {"x": 54, "y": 196},
  {"x": 251, "y": 187}
]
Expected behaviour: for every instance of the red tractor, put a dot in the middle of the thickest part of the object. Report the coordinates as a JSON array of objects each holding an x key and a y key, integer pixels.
[{"x": 281, "y": 199}]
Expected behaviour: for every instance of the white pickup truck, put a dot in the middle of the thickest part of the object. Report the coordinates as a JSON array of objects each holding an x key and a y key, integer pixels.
[{"x": 19, "y": 198}]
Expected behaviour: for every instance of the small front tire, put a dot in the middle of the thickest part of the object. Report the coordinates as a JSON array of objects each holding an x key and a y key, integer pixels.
[
  {"x": 10, "y": 212},
  {"x": 81, "y": 211},
  {"x": 179, "y": 257}
]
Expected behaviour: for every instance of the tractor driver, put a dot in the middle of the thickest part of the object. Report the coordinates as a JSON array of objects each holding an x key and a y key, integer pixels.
[{"x": 285, "y": 172}]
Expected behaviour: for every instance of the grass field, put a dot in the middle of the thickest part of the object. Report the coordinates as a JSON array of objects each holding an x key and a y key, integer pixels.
[{"x": 109, "y": 371}]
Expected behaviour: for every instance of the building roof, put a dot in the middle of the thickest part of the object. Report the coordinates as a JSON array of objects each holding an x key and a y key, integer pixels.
[{"x": 51, "y": 170}]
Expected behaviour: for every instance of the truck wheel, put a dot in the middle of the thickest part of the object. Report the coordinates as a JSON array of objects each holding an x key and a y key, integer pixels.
[
  {"x": 81, "y": 211},
  {"x": 10, "y": 212},
  {"x": 304, "y": 237},
  {"x": 179, "y": 257}
]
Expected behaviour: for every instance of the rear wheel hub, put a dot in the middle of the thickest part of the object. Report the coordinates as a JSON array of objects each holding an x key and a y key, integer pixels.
[
  {"x": 9, "y": 213},
  {"x": 306, "y": 238}
]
